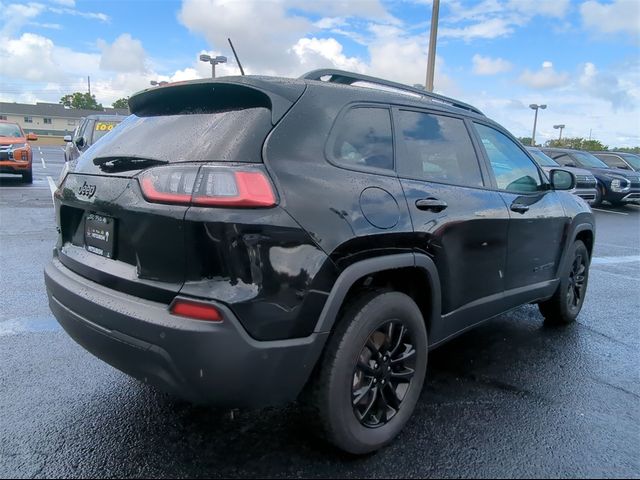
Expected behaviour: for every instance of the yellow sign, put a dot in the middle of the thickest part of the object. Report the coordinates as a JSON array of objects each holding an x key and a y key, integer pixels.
[{"x": 104, "y": 126}]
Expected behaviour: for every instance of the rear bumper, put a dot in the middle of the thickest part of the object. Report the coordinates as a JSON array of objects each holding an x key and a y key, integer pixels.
[
  {"x": 11, "y": 166},
  {"x": 203, "y": 362}
]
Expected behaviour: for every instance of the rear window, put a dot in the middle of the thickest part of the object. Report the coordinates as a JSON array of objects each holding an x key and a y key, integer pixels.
[
  {"x": 364, "y": 139},
  {"x": 101, "y": 128},
  {"x": 234, "y": 135}
]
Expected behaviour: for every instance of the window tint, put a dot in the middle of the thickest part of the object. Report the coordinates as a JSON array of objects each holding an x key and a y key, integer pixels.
[
  {"x": 612, "y": 161},
  {"x": 437, "y": 148},
  {"x": 82, "y": 128},
  {"x": 542, "y": 158},
  {"x": 514, "y": 171},
  {"x": 563, "y": 159},
  {"x": 364, "y": 138},
  {"x": 633, "y": 160}
]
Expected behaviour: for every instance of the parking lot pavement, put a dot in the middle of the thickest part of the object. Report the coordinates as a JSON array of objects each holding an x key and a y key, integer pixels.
[{"x": 511, "y": 398}]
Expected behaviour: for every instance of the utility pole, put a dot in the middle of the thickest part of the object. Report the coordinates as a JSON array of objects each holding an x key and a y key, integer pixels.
[
  {"x": 535, "y": 121},
  {"x": 559, "y": 127},
  {"x": 89, "y": 84},
  {"x": 433, "y": 35}
]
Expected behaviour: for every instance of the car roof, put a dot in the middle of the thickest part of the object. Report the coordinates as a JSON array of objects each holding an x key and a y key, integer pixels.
[
  {"x": 339, "y": 81},
  {"x": 106, "y": 118},
  {"x": 604, "y": 152},
  {"x": 565, "y": 150}
]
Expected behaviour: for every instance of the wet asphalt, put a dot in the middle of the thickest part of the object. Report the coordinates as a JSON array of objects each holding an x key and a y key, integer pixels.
[{"x": 511, "y": 398}]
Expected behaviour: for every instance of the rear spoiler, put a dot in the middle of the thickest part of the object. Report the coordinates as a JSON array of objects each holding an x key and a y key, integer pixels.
[{"x": 215, "y": 95}]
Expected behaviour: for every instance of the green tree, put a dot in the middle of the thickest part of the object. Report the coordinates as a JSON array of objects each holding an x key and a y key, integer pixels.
[
  {"x": 576, "y": 143},
  {"x": 594, "y": 145},
  {"x": 635, "y": 150},
  {"x": 526, "y": 141},
  {"x": 121, "y": 103},
  {"x": 81, "y": 100}
]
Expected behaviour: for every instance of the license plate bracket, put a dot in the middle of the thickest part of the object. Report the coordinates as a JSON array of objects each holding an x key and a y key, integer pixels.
[{"x": 99, "y": 234}]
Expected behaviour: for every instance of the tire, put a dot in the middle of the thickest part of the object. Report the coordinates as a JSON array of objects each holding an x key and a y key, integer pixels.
[
  {"x": 565, "y": 305},
  {"x": 343, "y": 376},
  {"x": 599, "y": 196},
  {"x": 27, "y": 177}
]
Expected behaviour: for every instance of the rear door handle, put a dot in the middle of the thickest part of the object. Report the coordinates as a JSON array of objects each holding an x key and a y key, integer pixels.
[
  {"x": 519, "y": 207},
  {"x": 432, "y": 204}
]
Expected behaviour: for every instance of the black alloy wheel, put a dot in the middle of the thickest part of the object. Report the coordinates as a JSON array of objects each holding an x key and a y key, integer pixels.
[
  {"x": 565, "y": 304},
  {"x": 371, "y": 373},
  {"x": 576, "y": 284},
  {"x": 383, "y": 374}
]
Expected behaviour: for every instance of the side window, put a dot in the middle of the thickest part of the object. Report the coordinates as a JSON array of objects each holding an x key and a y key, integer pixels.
[
  {"x": 436, "y": 148},
  {"x": 85, "y": 130},
  {"x": 564, "y": 159},
  {"x": 364, "y": 138},
  {"x": 514, "y": 171},
  {"x": 613, "y": 161}
]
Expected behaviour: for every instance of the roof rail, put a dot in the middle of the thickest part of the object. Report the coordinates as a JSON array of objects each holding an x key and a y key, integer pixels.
[{"x": 349, "y": 78}]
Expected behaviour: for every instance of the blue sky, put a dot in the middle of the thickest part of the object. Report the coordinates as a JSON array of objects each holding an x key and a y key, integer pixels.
[{"x": 581, "y": 58}]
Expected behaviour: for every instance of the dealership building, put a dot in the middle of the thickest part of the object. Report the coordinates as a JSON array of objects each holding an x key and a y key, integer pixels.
[{"x": 49, "y": 119}]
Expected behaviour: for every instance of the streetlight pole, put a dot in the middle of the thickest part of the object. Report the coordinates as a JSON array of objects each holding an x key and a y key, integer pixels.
[
  {"x": 213, "y": 61},
  {"x": 433, "y": 35},
  {"x": 535, "y": 121},
  {"x": 559, "y": 127}
]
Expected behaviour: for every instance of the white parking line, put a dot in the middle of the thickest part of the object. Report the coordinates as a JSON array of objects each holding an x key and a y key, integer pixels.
[
  {"x": 611, "y": 260},
  {"x": 52, "y": 186},
  {"x": 44, "y": 165},
  {"x": 609, "y": 211}
]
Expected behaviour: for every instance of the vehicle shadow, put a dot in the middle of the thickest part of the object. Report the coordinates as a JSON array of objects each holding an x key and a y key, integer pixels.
[
  {"x": 12, "y": 181},
  {"x": 499, "y": 367}
]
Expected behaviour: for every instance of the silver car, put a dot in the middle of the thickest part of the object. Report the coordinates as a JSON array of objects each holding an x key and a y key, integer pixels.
[{"x": 586, "y": 183}]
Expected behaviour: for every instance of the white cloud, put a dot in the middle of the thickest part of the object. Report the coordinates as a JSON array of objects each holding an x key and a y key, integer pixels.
[
  {"x": 262, "y": 32},
  {"x": 36, "y": 58},
  {"x": 66, "y": 3},
  {"x": 495, "y": 18},
  {"x": 103, "y": 17},
  {"x": 493, "y": 28},
  {"x": 328, "y": 23},
  {"x": 544, "y": 78},
  {"x": 489, "y": 66},
  {"x": 608, "y": 87},
  {"x": 315, "y": 53},
  {"x": 621, "y": 16},
  {"x": 125, "y": 54},
  {"x": 548, "y": 8},
  {"x": 16, "y": 15}
]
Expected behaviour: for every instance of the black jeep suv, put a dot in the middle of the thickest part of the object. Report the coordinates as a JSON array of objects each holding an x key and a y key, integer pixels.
[{"x": 248, "y": 241}]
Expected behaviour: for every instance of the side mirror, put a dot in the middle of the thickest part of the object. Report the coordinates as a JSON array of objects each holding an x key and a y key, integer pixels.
[
  {"x": 562, "y": 180},
  {"x": 80, "y": 142},
  {"x": 67, "y": 138},
  {"x": 32, "y": 137}
]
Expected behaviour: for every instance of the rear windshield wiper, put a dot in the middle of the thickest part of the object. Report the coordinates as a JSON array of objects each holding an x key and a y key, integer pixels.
[{"x": 124, "y": 164}]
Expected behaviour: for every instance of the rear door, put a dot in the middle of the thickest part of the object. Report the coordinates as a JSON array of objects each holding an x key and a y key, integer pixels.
[
  {"x": 461, "y": 222},
  {"x": 537, "y": 219}
]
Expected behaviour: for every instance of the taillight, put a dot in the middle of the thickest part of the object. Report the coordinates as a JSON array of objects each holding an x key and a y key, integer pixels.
[
  {"x": 208, "y": 186},
  {"x": 195, "y": 310}
]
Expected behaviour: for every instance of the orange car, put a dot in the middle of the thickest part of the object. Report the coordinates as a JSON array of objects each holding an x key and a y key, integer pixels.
[{"x": 15, "y": 152}]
